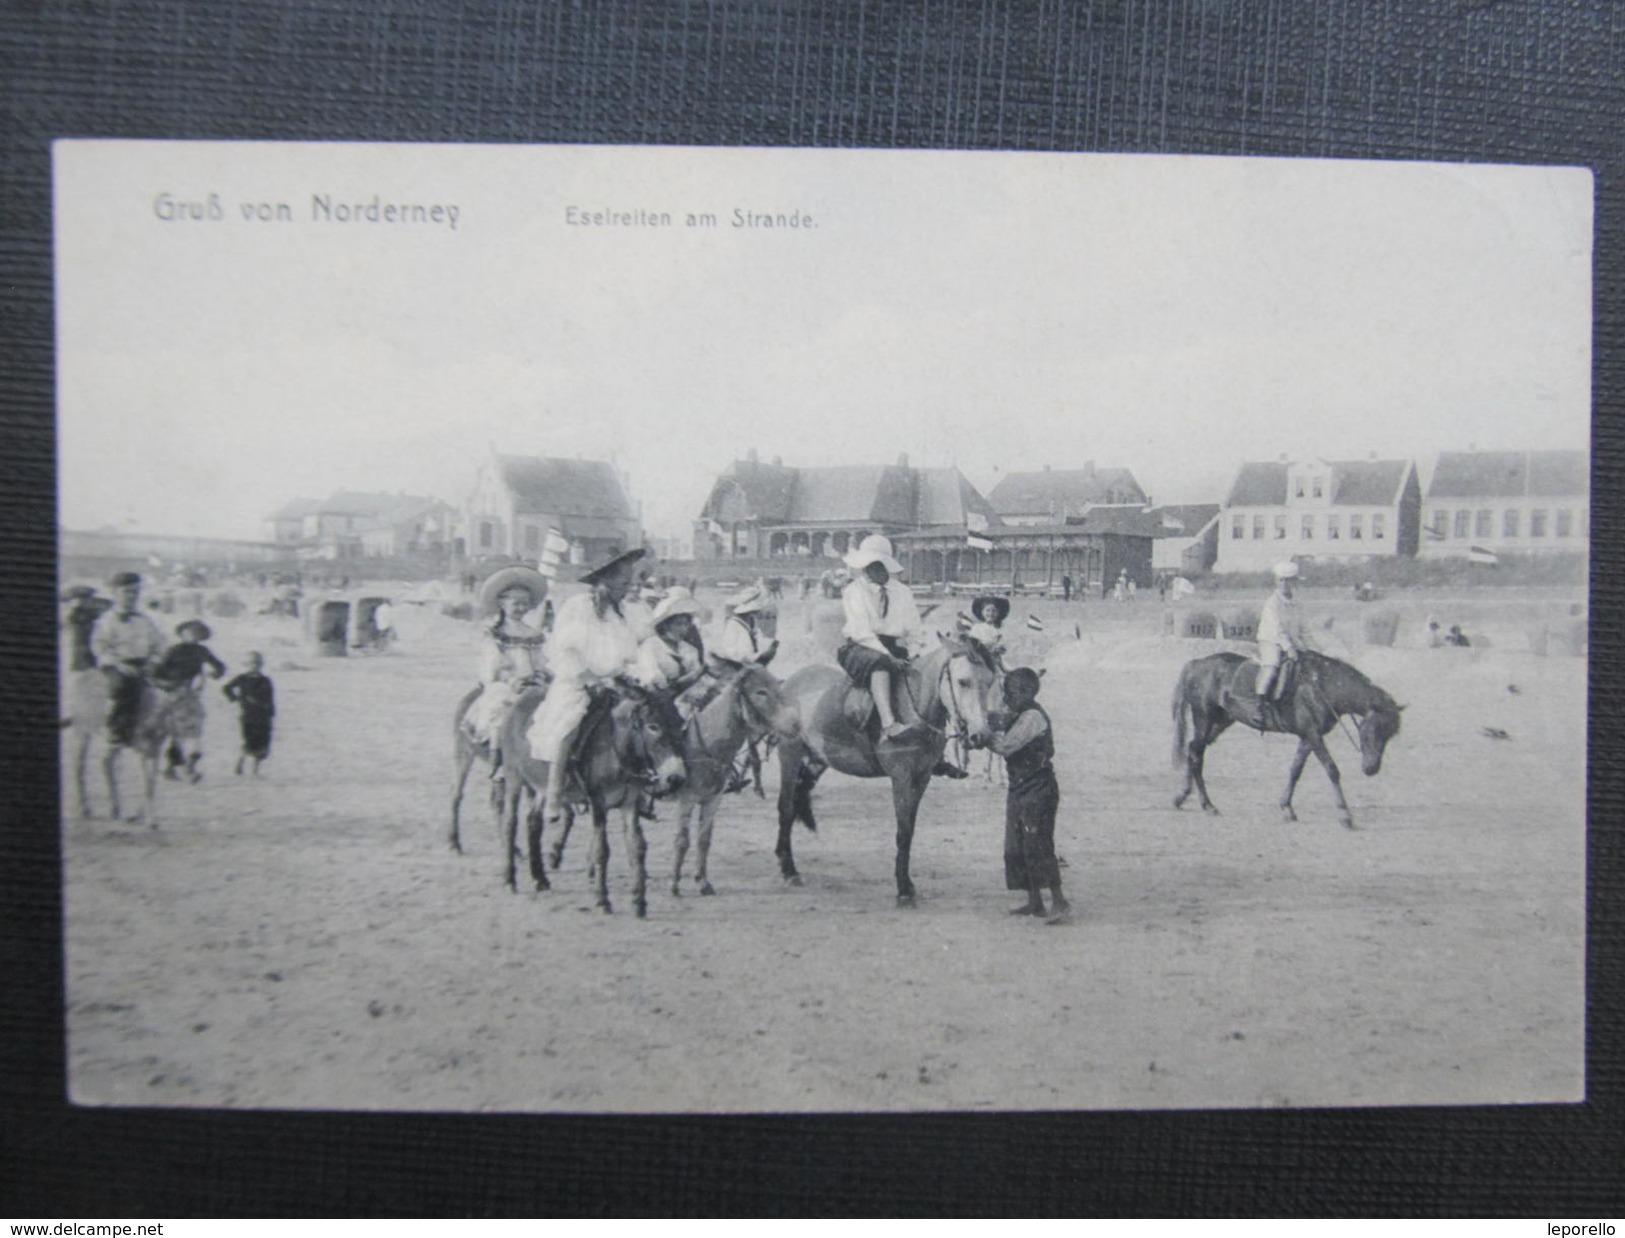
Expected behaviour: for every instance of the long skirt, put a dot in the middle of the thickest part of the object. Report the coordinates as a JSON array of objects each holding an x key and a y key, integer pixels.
[
  {"x": 861, "y": 661},
  {"x": 182, "y": 712},
  {"x": 556, "y": 720},
  {"x": 1029, "y": 837}
]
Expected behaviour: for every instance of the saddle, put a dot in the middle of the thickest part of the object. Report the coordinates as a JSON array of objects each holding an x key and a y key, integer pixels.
[
  {"x": 1241, "y": 694},
  {"x": 858, "y": 703}
]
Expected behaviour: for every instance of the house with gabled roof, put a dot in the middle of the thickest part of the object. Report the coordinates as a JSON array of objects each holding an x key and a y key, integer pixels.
[
  {"x": 350, "y": 524},
  {"x": 1051, "y": 496},
  {"x": 1507, "y": 501},
  {"x": 515, "y": 500},
  {"x": 1319, "y": 509},
  {"x": 1186, "y": 537},
  {"x": 761, "y": 510}
]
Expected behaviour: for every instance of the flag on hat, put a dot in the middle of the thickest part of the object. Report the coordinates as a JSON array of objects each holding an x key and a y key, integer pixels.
[
  {"x": 554, "y": 549},
  {"x": 1034, "y": 623}
]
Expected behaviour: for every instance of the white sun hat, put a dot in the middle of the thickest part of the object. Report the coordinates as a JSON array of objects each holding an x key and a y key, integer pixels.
[
  {"x": 748, "y": 600},
  {"x": 876, "y": 548},
  {"x": 1285, "y": 570},
  {"x": 679, "y": 601}
]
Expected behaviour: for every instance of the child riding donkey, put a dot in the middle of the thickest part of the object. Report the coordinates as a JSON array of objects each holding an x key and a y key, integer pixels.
[{"x": 510, "y": 653}]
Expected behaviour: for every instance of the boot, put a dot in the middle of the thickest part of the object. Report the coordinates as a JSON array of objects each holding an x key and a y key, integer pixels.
[
  {"x": 193, "y": 774},
  {"x": 1060, "y": 909}
]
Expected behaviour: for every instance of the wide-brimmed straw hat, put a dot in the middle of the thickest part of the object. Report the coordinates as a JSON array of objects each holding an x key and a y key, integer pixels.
[
  {"x": 1001, "y": 606},
  {"x": 197, "y": 625},
  {"x": 125, "y": 578},
  {"x": 876, "y": 548},
  {"x": 518, "y": 577},
  {"x": 749, "y": 600},
  {"x": 74, "y": 593},
  {"x": 679, "y": 601},
  {"x": 610, "y": 562},
  {"x": 1285, "y": 570}
]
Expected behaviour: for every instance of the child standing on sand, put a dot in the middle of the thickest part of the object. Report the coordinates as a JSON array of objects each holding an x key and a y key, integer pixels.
[
  {"x": 256, "y": 706},
  {"x": 1024, "y": 738}
]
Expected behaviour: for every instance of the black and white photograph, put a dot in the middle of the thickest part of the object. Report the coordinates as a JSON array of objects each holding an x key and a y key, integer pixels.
[{"x": 585, "y": 629}]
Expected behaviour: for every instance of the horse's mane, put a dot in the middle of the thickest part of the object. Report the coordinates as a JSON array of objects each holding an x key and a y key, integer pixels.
[{"x": 1316, "y": 664}]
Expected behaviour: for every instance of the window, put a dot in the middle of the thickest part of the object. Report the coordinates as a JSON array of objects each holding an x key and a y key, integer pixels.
[
  {"x": 1379, "y": 526},
  {"x": 1441, "y": 522},
  {"x": 1307, "y": 530},
  {"x": 1318, "y": 488},
  {"x": 1334, "y": 528},
  {"x": 1462, "y": 525},
  {"x": 1484, "y": 524},
  {"x": 1258, "y": 528},
  {"x": 1537, "y": 522},
  {"x": 1297, "y": 489},
  {"x": 1238, "y": 528},
  {"x": 485, "y": 535},
  {"x": 1509, "y": 522},
  {"x": 1280, "y": 528},
  {"x": 1356, "y": 527},
  {"x": 1565, "y": 522}
]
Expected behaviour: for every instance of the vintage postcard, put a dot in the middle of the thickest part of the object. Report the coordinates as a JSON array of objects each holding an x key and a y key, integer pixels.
[{"x": 574, "y": 629}]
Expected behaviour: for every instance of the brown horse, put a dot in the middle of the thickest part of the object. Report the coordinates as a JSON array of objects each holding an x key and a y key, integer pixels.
[
  {"x": 637, "y": 749},
  {"x": 1217, "y": 690},
  {"x": 950, "y": 687}
]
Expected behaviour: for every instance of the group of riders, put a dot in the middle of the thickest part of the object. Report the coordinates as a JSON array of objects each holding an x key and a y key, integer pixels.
[
  {"x": 117, "y": 638},
  {"x": 619, "y": 638}
]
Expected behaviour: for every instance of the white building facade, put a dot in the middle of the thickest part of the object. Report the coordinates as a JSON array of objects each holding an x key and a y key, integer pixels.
[
  {"x": 1530, "y": 502},
  {"x": 1316, "y": 509}
]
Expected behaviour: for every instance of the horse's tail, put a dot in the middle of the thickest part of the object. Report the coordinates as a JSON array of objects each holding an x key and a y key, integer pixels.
[{"x": 1182, "y": 710}]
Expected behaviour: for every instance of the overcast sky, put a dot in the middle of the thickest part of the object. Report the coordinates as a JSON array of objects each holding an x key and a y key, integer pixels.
[{"x": 1172, "y": 315}]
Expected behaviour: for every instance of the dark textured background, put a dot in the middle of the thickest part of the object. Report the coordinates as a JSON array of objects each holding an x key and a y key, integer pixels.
[{"x": 1464, "y": 80}]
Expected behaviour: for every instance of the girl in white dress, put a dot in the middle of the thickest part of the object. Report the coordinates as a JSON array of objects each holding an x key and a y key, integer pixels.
[{"x": 510, "y": 653}]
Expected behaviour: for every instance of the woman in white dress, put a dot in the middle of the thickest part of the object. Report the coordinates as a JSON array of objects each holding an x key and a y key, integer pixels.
[{"x": 595, "y": 643}]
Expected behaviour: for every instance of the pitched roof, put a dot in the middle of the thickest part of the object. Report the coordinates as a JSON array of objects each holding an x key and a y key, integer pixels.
[
  {"x": 766, "y": 488},
  {"x": 1128, "y": 521},
  {"x": 1258, "y": 484},
  {"x": 1061, "y": 492},
  {"x": 945, "y": 496},
  {"x": 565, "y": 487},
  {"x": 1510, "y": 474},
  {"x": 1355, "y": 483},
  {"x": 1367, "y": 483},
  {"x": 854, "y": 493},
  {"x": 1184, "y": 519}
]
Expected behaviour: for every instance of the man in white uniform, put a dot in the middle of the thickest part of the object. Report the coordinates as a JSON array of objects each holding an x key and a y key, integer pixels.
[
  {"x": 1280, "y": 633},
  {"x": 883, "y": 629}
]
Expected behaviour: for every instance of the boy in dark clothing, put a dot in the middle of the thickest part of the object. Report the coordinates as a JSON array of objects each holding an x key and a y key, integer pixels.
[
  {"x": 256, "y": 704},
  {"x": 1023, "y": 737}
]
